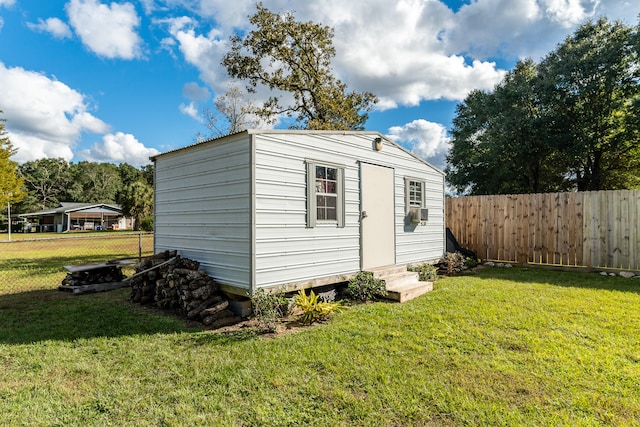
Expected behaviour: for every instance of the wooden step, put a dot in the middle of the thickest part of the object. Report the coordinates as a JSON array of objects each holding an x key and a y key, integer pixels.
[
  {"x": 400, "y": 279},
  {"x": 402, "y": 285},
  {"x": 409, "y": 291},
  {"x": 381, "y": 272}
]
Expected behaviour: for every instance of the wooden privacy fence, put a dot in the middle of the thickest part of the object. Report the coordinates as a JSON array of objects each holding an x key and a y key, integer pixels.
[{"x": 599, "y": 229}]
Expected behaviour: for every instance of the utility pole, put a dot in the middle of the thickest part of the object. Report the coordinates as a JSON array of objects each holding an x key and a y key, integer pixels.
[{"x": 9, "y": 213}]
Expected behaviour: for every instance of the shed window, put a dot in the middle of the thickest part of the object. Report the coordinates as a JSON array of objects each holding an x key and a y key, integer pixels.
[
  {"x": 415, "y": 193},
  {"x": 415, "y": 201},
  {"x": 325, "y": 195}
]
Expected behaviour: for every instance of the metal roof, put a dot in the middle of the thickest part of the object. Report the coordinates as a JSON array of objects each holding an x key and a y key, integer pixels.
[{"x": 66, "y": 207}]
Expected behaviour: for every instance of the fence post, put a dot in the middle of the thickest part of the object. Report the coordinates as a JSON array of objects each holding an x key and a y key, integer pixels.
[{"x": 140, "y": 246}]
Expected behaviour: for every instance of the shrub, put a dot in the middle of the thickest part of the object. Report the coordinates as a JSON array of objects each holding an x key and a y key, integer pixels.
[
  {"x": 269, "y": 307},
  {"x": 146, "y": 223},
  {"x": 365, "y": 287},
  {"x": 313, "y": 309},
  {"x": 471, "y": 262},
  {"x": 426, "y": 272},
  {"x": 454, "y": 263}
]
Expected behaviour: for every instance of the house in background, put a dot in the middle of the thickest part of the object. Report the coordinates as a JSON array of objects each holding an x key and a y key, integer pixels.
[
  {"x": 78, "y": 217},
  {"x": 298, "y": 209}
]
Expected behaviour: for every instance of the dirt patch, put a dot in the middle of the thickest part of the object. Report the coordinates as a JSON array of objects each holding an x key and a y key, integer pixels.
[{"x": 283, "y": 328}]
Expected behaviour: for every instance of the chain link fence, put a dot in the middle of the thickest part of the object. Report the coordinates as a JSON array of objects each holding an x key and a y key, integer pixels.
[{"x": 32, "y": 262}]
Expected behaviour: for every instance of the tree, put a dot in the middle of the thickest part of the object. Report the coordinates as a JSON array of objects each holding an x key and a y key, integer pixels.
[
  {"x": 10, "y": 181},
  {"x": 148, "y": 173},
  {"x": 499, "y": 143},
  {"x": 590, "y": 85},
  {"x": 570, "y": 122},
  {"x": 137, "y": 201},
  {"x": 129, "y": 174},
  {"x": 473, "y": 167},
  {"x": 235, "y": 113},
  {"x": 94, "y": 182},
  {"x": 295, "y": 58},
  {"x": 46, "y": 181}
]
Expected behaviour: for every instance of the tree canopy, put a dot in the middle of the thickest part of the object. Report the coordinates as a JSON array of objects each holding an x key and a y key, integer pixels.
[
  {"x": 10, "y": 181},
  {"x": 234, "y": 112},
  {"x": 48, "y": 182},
  {"x": 568, "y": 122},
  {"x": 137, "y": 201},
  {"x": 294, "y": 58}
]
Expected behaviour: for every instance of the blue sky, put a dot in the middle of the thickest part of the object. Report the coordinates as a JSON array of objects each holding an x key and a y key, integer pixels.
[{"x": 121, "y": 81}]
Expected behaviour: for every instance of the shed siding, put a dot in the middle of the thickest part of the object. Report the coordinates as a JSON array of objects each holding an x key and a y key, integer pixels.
[
  {"x": 238, "y": 206},
  {"x": 287, "y": 251},
  {"x": 202, "y": 207}
]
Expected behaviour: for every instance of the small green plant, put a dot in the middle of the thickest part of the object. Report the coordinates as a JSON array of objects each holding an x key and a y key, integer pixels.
[
  {"x": 269, "y": 307},
  {"x": 366, "y": 287},
  {"x": 313, "y": 309},
  {"x": 470, "y": 262},
  {"x": 426, "y": 272}
]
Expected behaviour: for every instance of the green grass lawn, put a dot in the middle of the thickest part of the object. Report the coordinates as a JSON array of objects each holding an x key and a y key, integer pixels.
[
  {"x": 499, "y": 347},
  {"x": 36, "y": 260}
]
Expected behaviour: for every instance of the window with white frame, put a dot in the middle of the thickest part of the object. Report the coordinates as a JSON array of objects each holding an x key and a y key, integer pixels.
[
  {"x": 325, "y": 195},
  {"x": 415, "y": 201},
  {"x": 415, "y": 193}
]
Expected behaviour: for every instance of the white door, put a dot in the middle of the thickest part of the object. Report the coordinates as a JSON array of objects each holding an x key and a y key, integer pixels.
[{"x": 377, "y": 232}]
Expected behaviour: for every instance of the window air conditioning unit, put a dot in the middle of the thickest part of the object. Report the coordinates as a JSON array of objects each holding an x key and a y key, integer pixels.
[{"x": 418, "y": 215}]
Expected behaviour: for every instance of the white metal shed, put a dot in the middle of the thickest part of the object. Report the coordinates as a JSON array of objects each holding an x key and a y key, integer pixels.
[{"x": 297, "y": 209}]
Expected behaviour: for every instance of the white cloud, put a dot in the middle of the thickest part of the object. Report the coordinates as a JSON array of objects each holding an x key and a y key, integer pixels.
[
  {"x": 119, "y": 148},
  {"x": 7, "y": 3},
  {"x": 394, "y": 52},
  {"x": 516, "y": 28},
  {"x": 569, "y": 12},
  {"x": 195, "y": 92},
  {"x": 89, "y": 123},
  {"x": 1, "y": 22},
  {"x": 228, "y": 14},
  {"x": 148, "y": 5},
  {"x": 190, "y": 110},
  {"x": 426, "y": 139},
  {"x": 202, "y": 51},
  {"x": 53, "y": 26},
  {"x": 176, "y": 24},
  {"x": 108, "y": 30},
  {"x": 408, "y": 51},
  {"x": 45, "y": 117}
]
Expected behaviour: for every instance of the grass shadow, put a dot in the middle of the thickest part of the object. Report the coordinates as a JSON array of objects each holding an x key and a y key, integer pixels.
[
  {"x": 53, "y": 264},
  {"x": 221, "y": 338},
  {"x": 569, "y": 279},
  {"x": 42, "y": 315}
]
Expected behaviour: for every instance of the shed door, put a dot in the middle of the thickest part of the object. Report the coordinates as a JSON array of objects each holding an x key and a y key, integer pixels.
[{"x": 377, "y": 216}]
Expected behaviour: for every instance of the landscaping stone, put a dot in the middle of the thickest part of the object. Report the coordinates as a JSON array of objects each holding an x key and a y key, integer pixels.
[
  {"x": 604, "y": 273},
  {"x": 489, "y": 264},
  {"x": 627, "y": 274}
]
